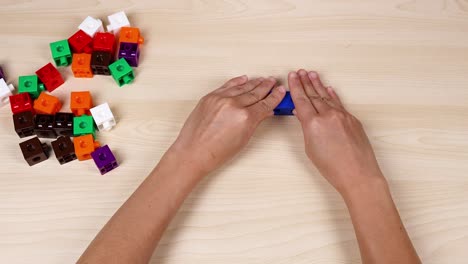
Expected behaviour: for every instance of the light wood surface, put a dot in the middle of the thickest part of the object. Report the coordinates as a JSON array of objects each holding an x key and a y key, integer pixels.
[{"x": 400, "y": 65}]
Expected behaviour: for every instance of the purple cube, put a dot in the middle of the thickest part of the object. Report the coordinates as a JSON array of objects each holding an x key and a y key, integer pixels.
[
  {"x": 130, "y": 52},
  {"x": 104, "y": 159},
  {"x": 2, "y": 75}
]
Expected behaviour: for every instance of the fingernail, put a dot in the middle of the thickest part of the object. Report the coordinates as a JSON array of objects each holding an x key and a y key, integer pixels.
[
  {"x": 271, "y": 78},
  {"x": 294, "y": 111},
  {"x": 281, "y": 89},
  {"x": 261, "y": 79},
  {"x": 313, "y": 75},
  {"x": 293, "y": 74},
  {"x": 302, "y": 72}
]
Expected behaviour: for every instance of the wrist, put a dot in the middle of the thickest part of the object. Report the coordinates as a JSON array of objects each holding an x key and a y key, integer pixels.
[
  {"x": 371, "y": 187},
  {"x": 181, "y": 160}
]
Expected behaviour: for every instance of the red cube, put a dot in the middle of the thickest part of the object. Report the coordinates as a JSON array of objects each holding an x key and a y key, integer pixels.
[
  {"x": 104, "y": 42},
  {"x": 21, "y": 103},
  {"x": 50, "y": 77},
  {"x": 80, "y": 42}
]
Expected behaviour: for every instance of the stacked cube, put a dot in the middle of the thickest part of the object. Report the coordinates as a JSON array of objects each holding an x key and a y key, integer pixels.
[{"x": 90, "y": 51}]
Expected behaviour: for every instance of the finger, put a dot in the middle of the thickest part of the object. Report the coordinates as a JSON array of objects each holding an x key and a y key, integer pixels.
[
  {"x": 238, "y": 90},
  {"x": 236, "y": 81},
  {"x": 317, "y": 83},
  {"x": 335, "y": 99},
  {"x": 257, "y": 94},
  {"x": 264, "y": 108},
  {"x": 304, "y": 107},
  {"x": 313, "y": 95}
]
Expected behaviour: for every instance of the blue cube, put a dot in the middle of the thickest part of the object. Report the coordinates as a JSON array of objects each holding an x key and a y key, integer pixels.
[{"x": 286, "y": 106}]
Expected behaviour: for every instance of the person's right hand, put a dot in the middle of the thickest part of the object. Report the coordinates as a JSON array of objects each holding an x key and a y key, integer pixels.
[{"x": 335, "y": 140}]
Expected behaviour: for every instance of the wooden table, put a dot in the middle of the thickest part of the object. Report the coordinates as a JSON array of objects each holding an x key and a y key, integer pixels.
[{"x": 400, "y": 66}]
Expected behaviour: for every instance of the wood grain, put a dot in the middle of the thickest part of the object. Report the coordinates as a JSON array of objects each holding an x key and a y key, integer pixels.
[{"x": 400, "y": 65}]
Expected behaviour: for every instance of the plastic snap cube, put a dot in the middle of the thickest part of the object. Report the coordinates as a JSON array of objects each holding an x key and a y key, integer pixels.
[
  {"x": 91, "y": 26},
  {"x": 84, "y": 146},
  {"x": 24, "y": 124},
  {"x": 80, "y": 42},
  {"x": 81, "y": 65},
  {"x": 117, "y": 21},
  {"x": 47, "y": 104},
  {"x": 34, "y": 151},
  {"x": 80, "y": 103},
  {"x": 100, "y": 61},
  {"x": 131, "y": 35},
  {"x": 50, "y": 77},
  {"x": 30, "y": 84},
  {"x": 61, "y": 53},
  {"x": 64, "y": 150},
  {"x": 20, "y": 103},
  {"x": 6, "y": 90},
  {"x": 83, "y": 125},
  {"x": 63, "y": 124},
  {"x": 122, "y": 72},
  {"x": 104, "y": 42},
  {"x": 286, "y": 106},
  {"x": 44, "y": 126},
  {"x": 130, "y": 52},
  {"x": 104, "y": 159},
  {"x": 103, "y": 117}
]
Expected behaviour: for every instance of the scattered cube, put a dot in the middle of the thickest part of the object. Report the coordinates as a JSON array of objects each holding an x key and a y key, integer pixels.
[
  {"x": 63, "y": 124},
  {"x": 81, "y": 102},
  {"x": 84, "y": 146},
  {"x": 117, "y": 21},
  {"x": 80, "y": 42},
  {"x": 131, "y": 35},
  {"x": 83, "y": 125},
  {"x": 104, "y": 159},
  {"x": 121, "y": 72},
  {"x": 24, "y": 124},
  {"x": 34, "y": 151},
  {"x": 30, "y": 84},
  {"x": 104, "y": 42},
  {"x": 20, "y": 103},
  {"x": 44, "y": 126},
  {"x": 100, "y": 61},
  {"x": 103, "y": 117},
  {"x": 286, "y": 106},
  {"x": 61, "y": 53},
  {"x": 64, "y": 150},
  {"x": 91, "y": 26},
  {"x": 47, "y": 104},
  {"x": 130, "y": 52},
  {"x": 81, "y": 65},
  {"x": 50, "y": 77},
  {"x": 5, "y": 92}
]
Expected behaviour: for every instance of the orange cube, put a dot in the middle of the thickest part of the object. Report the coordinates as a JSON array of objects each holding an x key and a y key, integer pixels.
[
  {"x": 84, "y": 146},
  {"x": 131, "y": 35},
  {"x": 81, "y": 65},
  {"x": 47, "y": 104},
  {"x": 80, "y": 103}
]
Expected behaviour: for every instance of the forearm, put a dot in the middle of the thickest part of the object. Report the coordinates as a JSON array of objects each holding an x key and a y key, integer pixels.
[
  {"x": 379, "y": 230},
  {"x": 133, "y": 232}
]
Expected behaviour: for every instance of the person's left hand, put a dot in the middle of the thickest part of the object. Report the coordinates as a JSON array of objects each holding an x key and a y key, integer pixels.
[{"x": 224, "y": 120}]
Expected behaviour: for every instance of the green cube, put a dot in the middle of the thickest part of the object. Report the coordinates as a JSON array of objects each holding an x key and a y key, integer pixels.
[
  {"x": 122, "y": 72},
  {"x": 30, "y": 84},
  {"x": 83, "y": 125},
  {"x": 61, "y": 53}
]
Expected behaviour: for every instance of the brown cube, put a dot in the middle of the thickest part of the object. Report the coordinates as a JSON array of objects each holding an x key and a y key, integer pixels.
[
  {"x": 34, "y": 151},
  {"x": 64, "y": 150},
  {"x": 24, "y": 124}
]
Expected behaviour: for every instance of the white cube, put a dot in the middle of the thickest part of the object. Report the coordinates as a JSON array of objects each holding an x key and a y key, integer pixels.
[
  {"x": 5, "y": 92},
  {"x": 103, "y": 117},
  {"x": 117, "y": 21},
  {"x": 91, "y": 26}
]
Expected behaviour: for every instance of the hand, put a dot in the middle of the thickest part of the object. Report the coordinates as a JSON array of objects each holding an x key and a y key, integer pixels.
[
  {"x": 224, "y": 120},
  {"x": 335, "y": 140}
]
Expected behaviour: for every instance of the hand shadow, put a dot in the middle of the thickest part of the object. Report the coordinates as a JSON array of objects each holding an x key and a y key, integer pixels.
[{"x": 344, "y": 242}]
